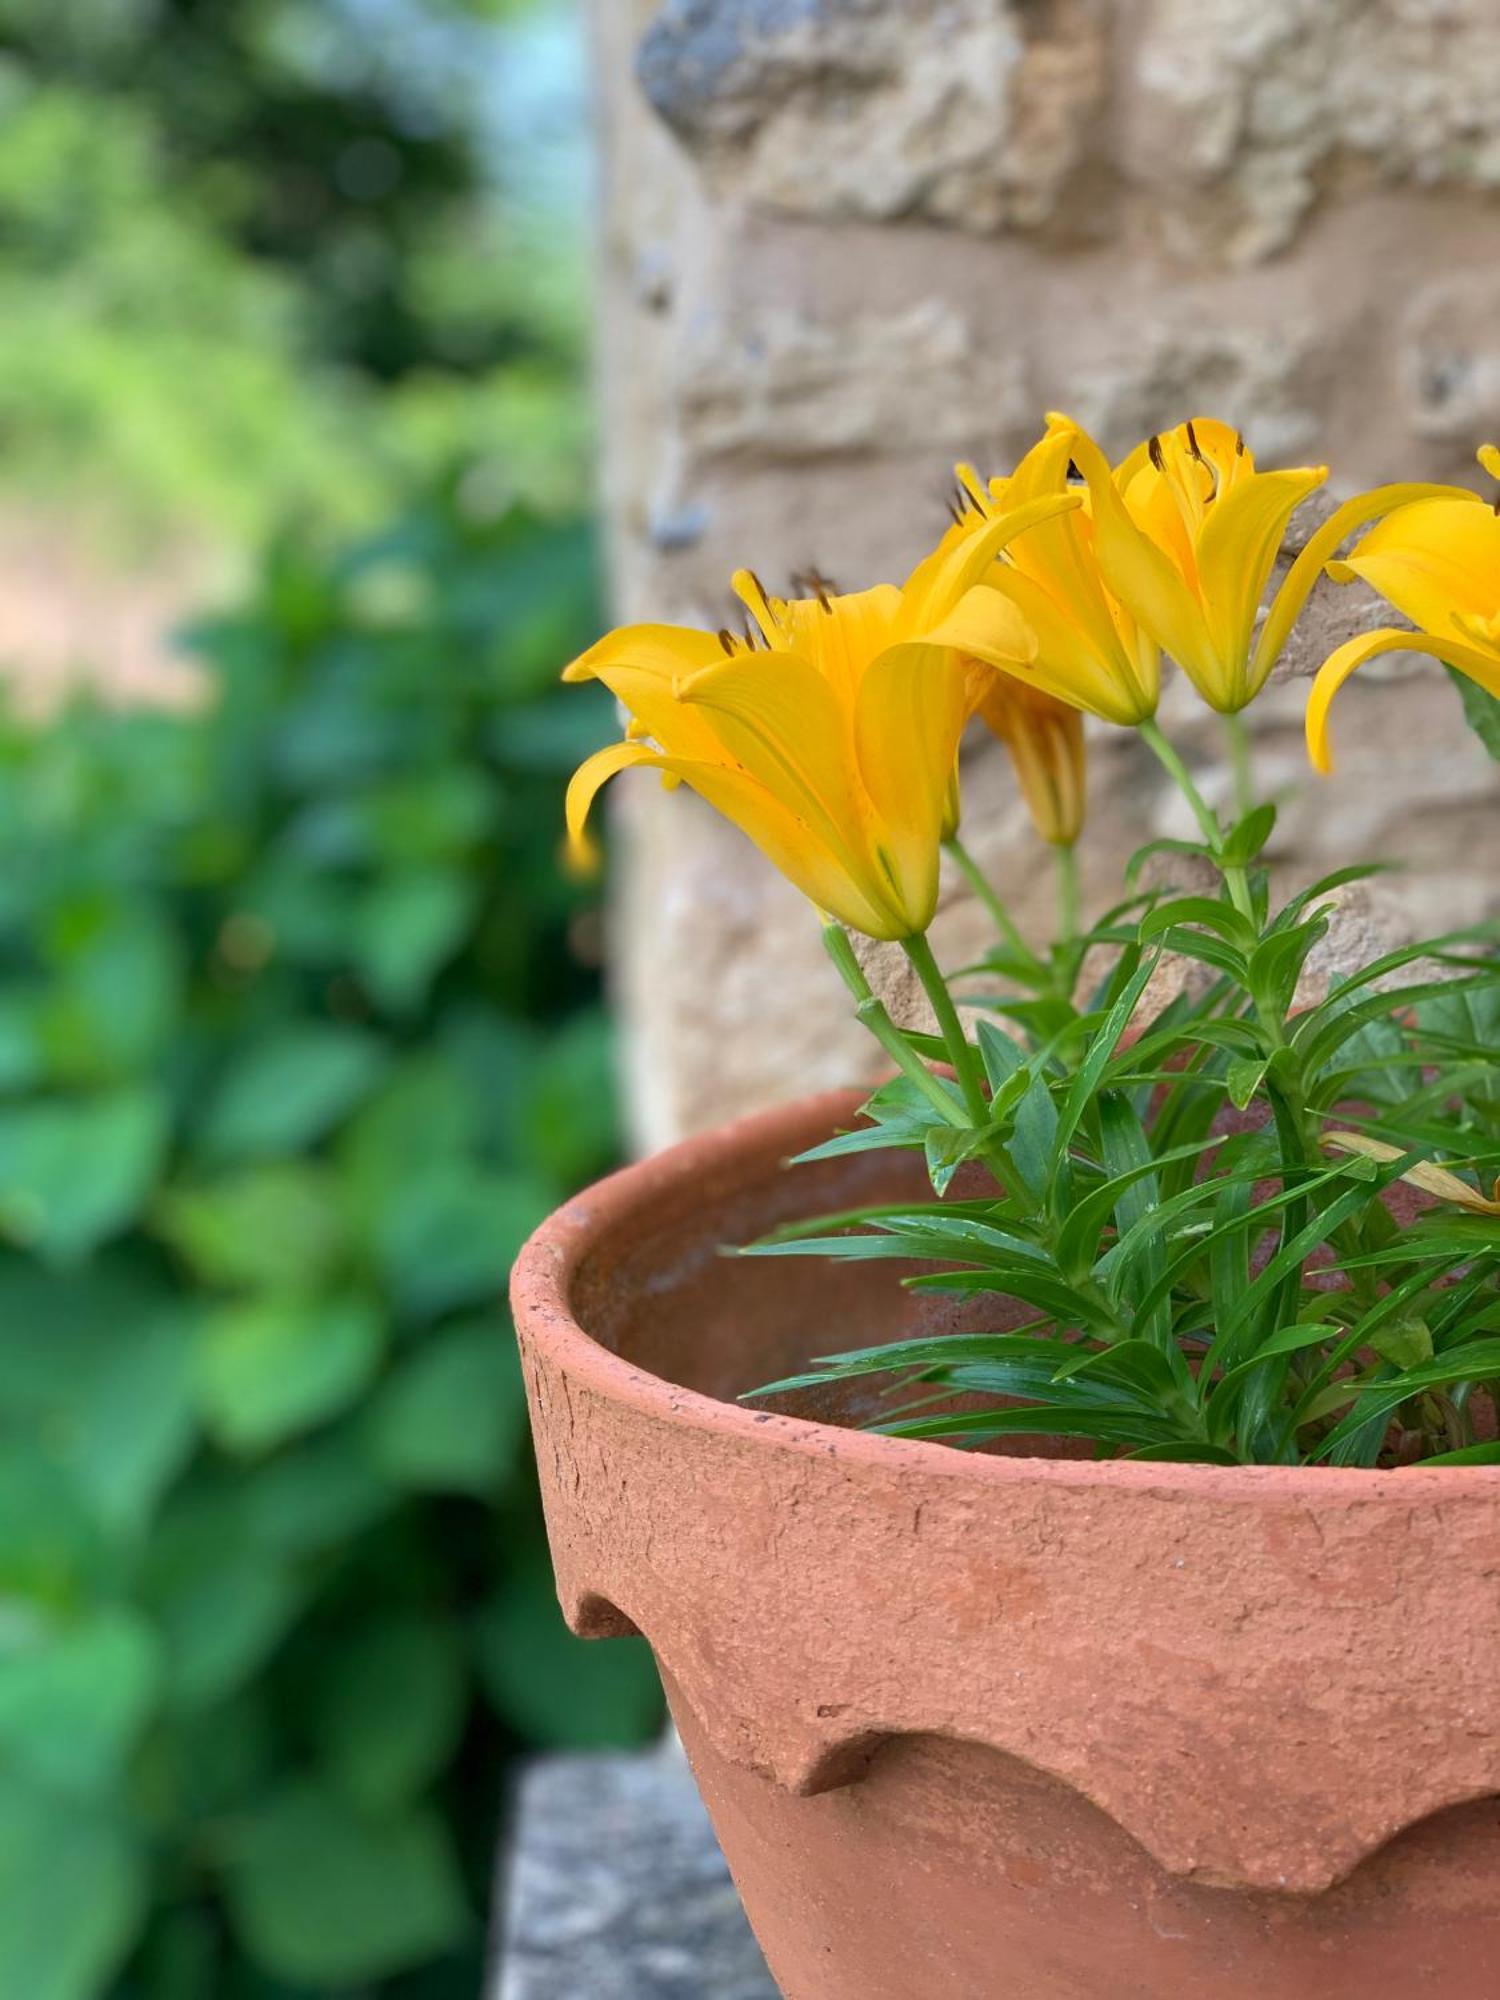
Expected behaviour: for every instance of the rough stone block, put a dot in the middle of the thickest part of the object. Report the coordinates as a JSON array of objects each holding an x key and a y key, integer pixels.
[
  {"x": 975, "y": 112},
  {"x": 613, "y": 1888}
]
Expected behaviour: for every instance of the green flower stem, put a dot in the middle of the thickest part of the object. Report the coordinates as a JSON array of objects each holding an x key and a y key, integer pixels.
[
  {"x": 1067, "y": 894},
  {"x": 977, "y": 880},
  {"x": 961, "y": 1051},
  {"x": 1235, "y": 879},
  {"x": 1240, "y": 763},
  {"x": 871, "y": 1013},
  {"x": 1166, "y": 752}
]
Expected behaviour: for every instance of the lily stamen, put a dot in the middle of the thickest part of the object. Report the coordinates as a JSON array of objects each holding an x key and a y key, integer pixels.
[{"x": 813, "y": 583}]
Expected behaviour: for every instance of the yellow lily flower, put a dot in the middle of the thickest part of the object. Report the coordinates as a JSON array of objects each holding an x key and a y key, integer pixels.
[
  {"x": 1090, "y": 652},
  {"x": 1438, "y": 562},
  {"x": 829, "y": 733},
  {"x": 1045, "y": 739},
  {"x": 1187, "y": 532}
]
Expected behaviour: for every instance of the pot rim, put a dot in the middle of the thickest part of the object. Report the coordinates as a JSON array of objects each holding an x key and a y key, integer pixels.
[{"x": 541, "y": 1287}]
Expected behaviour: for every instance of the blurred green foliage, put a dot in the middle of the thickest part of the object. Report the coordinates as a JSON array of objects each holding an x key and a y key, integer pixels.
[
  {"x": 263, "y": 254},
  {"x": 298, "y": 1038}
]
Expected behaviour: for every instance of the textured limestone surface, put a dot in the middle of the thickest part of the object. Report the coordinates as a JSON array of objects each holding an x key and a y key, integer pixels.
[
  {"x": 612, "y": 1887},
  {"x": 848, "y": 241}
]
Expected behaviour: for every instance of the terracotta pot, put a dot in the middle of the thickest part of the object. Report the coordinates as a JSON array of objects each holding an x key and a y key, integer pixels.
[{"x": 999, "y": 1725}]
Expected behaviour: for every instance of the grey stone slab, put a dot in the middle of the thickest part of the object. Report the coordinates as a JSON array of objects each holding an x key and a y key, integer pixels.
[{"x": 612, "y": 1887}]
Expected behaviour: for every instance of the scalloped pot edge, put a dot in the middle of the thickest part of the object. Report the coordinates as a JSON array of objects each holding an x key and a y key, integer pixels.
[{"x": 973, "y": 1724}]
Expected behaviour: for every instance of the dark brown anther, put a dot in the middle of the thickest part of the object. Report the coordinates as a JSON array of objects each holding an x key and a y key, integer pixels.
[
  {"x": 1157, "y": 456},
  {"x": 1239, "y": 444},
  {"x": 1193, "y": 445},
  {"x": 811, "y": 582},
  {"x": 726, "y": 640}
]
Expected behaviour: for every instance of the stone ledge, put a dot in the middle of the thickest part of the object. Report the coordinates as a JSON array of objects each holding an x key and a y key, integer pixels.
[{"x": 612, "y": 1886}]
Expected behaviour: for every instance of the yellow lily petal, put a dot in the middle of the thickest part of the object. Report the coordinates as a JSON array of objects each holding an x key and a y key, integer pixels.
[
  {"x": 584, "y": 787},
  {"x": 1068, "y": 665},
  {"x": 823, "y": 876},
  {"x": 664, "y": 651},
  {"x": 953, "y": 806},
  {"x": 838, "y": 633},
  {"x": 1045, "y": 740},
  {"x": 1489, "y": 457},
  {"x": 1094, "y": 652},
  {"x": 960, "y": 561},
  {"x": 1321, "y": 546},
  {"x": 1353, "y": 654},
  {"x": 1223, "y": 448},
  {"x": 780, "y": 836},
  {"x": 908, "y": 719},
  {"x": 643, "y": 666},
  {"x": 1432, "y": 560},
  {"x": 780, "y": 720},
  {"x": 1237, "y": 551},
  {"x": 1137, "y": 572},
  {"x": 986, "y": 625},
  {"x": 1059, "y": 554},
  {"x": 1426, "y": 1174}
]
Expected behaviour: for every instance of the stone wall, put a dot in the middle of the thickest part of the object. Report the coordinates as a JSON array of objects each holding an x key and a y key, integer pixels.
[{"x": 846, "y": 241}]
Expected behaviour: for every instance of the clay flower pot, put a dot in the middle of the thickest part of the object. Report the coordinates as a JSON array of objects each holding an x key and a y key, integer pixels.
[{"x": 976, "y": 1725}]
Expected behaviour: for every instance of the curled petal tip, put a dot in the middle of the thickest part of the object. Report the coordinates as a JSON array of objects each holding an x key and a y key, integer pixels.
[
  {"x": 1489, "y": 458},
  {"x": 687, "y": 688},
  {"x": 581, "y": 857}
]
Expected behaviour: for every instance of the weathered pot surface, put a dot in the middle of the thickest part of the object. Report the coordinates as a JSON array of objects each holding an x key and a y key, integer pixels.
[{"x": 1021, "y": 1726}]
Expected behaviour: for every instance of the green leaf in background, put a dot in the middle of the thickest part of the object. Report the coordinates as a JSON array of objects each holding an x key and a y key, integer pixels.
[
  {"x": 566, "y": 1106},
  {"x": 277, "y": 1226},
  {"x": 388, "y": 1705},
  {"x": 74, "y": 1695},
  {"x": 425, "y": 1104},
  {"x": 51, "y": 1551},
  {"x": 201, "y": 1764},
  {"x": 279, "y": 984},
  {"x": 95, "y": 1375},
  {"x": 452, "y": 1414},
  {"x": 406, "y": 929},
  {"x": 113, "y": 992},
  {"x": 72, "y": 1894},
  {"x": 220, "y": 1598},
  {"x": 275, "y": 1366},
  {"x": 315, "y": 1496},
  {"x": 432, "y": 816},
  {"x": 287, "y": 1091},
  {"x": 325, "y": 1895},
  {"x": 75, "y": 1171},
  {"x": 553, "y": 1688},
  {"x": 22, "y": 1061},
  {"x": 450, "y": 1236},
  {"x": 1482, "y": 710}
]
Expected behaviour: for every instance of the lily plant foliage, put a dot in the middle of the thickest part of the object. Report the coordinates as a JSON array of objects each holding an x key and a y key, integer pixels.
[{"x": 1243, "y": 1228}]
